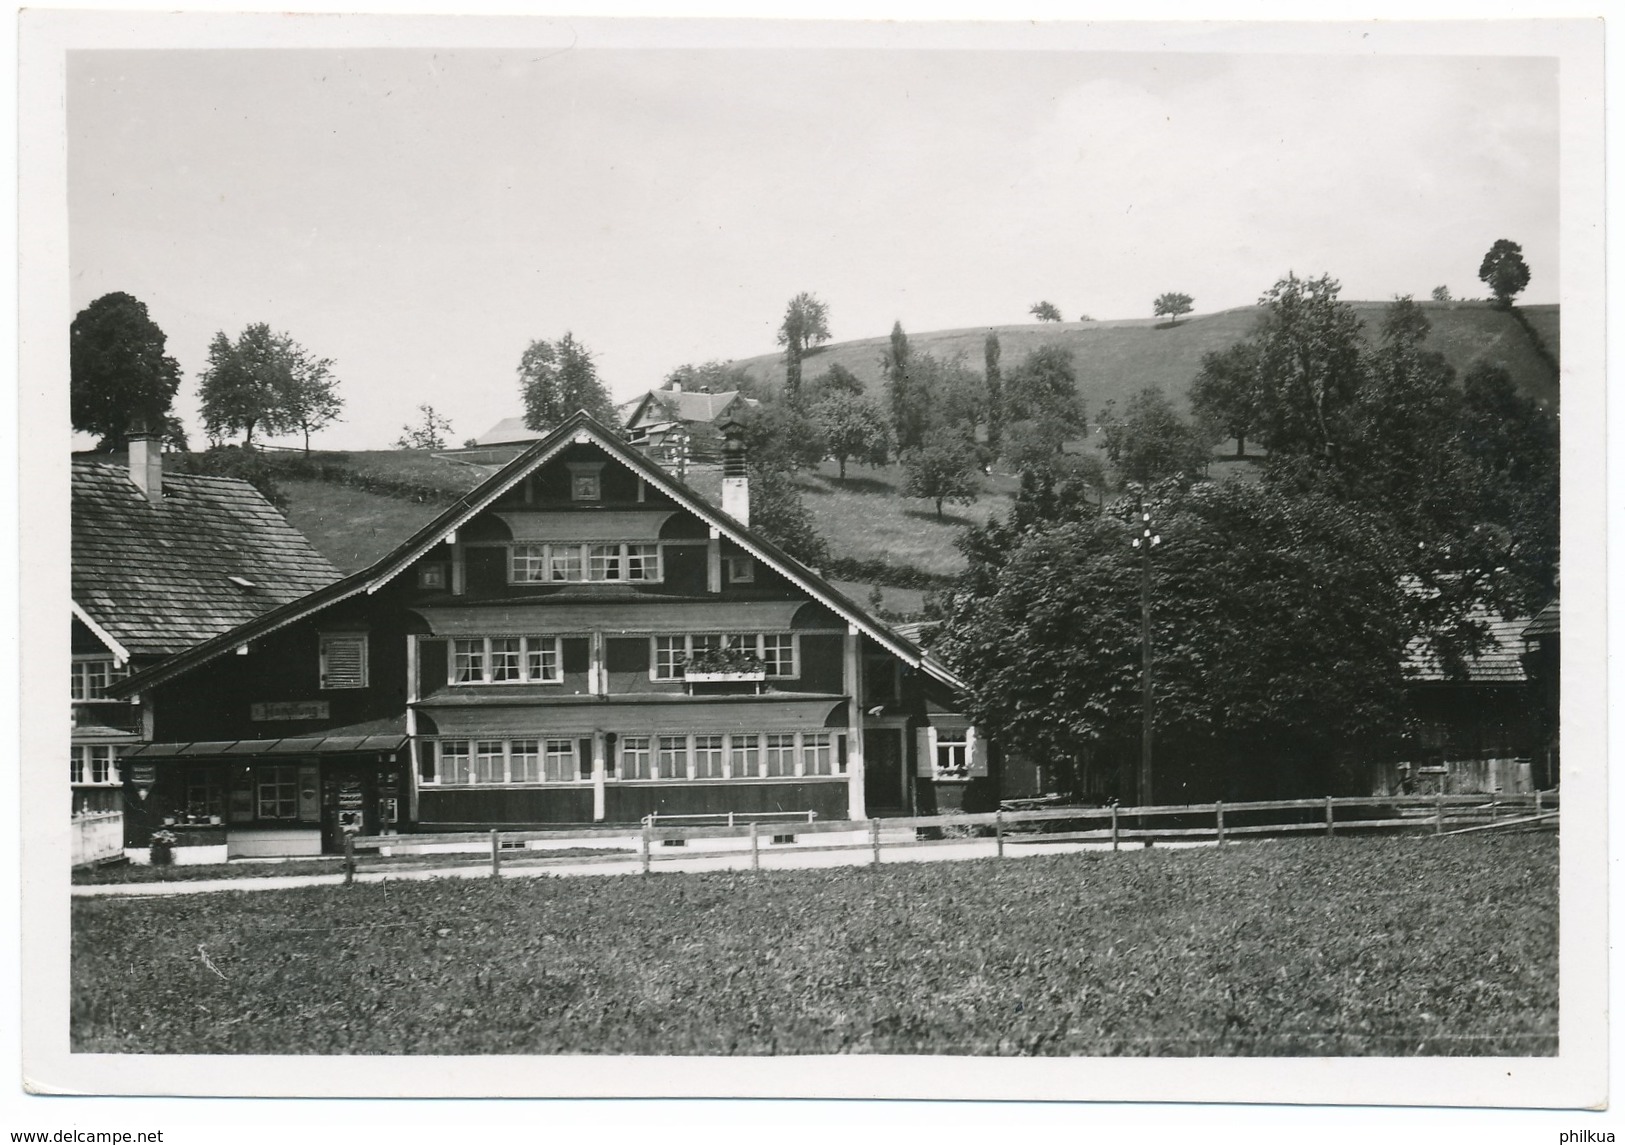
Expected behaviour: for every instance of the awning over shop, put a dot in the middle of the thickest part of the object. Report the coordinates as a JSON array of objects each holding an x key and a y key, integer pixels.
[
  {"x": 679, "y": 715},
  {"x": 299, "y": 745},
  {"x": 613, "y": 615}
]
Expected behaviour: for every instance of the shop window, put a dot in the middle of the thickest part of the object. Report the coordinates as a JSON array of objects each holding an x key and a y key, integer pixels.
[
  {"x": 276, "y": 792},
  {"x": 343, "y": 660}
]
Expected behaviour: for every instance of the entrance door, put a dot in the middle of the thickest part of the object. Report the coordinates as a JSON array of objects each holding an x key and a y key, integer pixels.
[
  {"x": 883, "y": 769},
  {"x": 349, "y": 798}
]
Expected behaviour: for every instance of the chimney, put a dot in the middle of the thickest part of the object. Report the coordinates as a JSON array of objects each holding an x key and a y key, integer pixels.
[
  {"x": 676, "y": 387},
  {"x": 735, "y": 483},
  {"x": 147, "y": 465}
]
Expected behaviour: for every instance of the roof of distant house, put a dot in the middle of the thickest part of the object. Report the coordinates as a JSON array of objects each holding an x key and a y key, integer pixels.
[
  {"x": 1548, "y": 622},
  {"x": 1501, "y": 661},
  {"x": 509, "y": 431},
  {"x": 161, "y": 578},
  {"x": 688, "y": 406}
]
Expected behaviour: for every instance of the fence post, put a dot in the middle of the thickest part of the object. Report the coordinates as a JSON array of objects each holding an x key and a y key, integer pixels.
[
  {"x": 349, "y": 858},
  {"x": 1329, "y": 828},
  {"x": 755, "y": 851},
  {"x": 1114, "y": 826},
  {"x": 496, "y": 855},
  {"x": 1537, "y": 801},
  {"x": 644, "y": 847},
  {"x": 1438, "y": 810},
  {"x": 998, "y": 830},
  {"x": 874, "y": 840},
  {"x": 1218, "y": 817}
]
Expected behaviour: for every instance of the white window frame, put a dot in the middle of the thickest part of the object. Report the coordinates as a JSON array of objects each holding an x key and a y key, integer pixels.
[
  {"x": 83, "y": 759},
  {"x": 327, "y": 639},
  {"x": 730, "y": 638},
  {"x": 278, "y": 771},
  {"x": 80, "y": 688},
  {"x": 527, "y": 645},
  {"x": 951, "y": 743},
  {"x": 550, "y": 753},
  {"x": 744, "y": 756},
  {"x": 535, "y": 563}
]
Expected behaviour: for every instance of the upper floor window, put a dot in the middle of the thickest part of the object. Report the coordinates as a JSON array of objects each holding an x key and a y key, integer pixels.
[
  {"x": 506, "y": 660},
  {"x": 608, "y": 563},
  {"x": 432, "y": 575},
  {"x": 94, "y": 675},
  {"x": 93, "y": 763},
  {"x": 671, "y": 654},
  {"x": 741, "y": 569},
  {"x": 343, "y": 660},
  {"x": 586, "y": 480}
]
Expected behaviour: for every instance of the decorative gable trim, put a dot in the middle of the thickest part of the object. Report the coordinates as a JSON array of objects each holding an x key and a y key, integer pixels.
[{"x": 121, "y": 653}]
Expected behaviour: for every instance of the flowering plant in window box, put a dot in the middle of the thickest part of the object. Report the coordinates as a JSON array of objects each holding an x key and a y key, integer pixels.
[{"x": 728, "y": 663}]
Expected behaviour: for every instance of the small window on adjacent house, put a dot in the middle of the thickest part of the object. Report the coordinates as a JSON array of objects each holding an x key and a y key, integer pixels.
[
  {"x": 953, "y": 754},
  {"x": 343, "y": 660},
  {"x": 432, "y": 575},
  {"x": 741, "y": 569}
]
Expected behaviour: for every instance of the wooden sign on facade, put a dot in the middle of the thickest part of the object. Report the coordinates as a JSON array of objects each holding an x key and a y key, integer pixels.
[{"x": 289, "y": 710}]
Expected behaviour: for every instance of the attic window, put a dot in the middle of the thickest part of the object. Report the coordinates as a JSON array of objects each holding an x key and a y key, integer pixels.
[
  {"x": 586, "y": 480},
  {"x": 343, "y": 660},
  {"x": 241, "y": 582}
]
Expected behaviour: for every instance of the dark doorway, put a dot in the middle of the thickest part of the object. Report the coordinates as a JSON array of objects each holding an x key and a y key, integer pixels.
[{"x": 883, "y": 769}]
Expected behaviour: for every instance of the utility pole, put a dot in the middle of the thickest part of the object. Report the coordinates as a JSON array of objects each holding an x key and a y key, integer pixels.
[{"x": 1145, "y": 542}]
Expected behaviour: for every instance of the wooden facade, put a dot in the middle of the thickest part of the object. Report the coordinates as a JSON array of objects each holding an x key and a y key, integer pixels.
[{"x": 582, "y": 640}]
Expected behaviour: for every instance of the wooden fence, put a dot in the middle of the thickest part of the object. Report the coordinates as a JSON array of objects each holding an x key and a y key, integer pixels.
[
  {"x": 97, "y": 837},
  {"x": 1218, "y": 823}
]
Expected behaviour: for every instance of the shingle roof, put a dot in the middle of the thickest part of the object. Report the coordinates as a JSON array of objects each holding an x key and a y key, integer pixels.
[
  {"x": 156, "y": 577},
  {"x": 695, "y": 406},
  {"x": 1500, "y": 662},
  {"x": 509, "y": 431},
  {"x": 1548, "y": 622}
]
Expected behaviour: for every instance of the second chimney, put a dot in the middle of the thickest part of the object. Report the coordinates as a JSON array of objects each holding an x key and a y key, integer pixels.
[
  {"x": 147, "y": 465},
  {"x": 735, "y": 482}
]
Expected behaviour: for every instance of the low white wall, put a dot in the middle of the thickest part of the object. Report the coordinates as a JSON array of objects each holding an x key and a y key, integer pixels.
[{"x": 251, "y": 843}]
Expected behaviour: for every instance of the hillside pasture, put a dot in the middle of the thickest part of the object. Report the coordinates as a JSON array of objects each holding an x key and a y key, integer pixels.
[{"x": 1326, "y": 947}]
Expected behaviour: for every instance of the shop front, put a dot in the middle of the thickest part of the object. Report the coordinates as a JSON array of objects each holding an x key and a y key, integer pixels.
[{"x": 263, "y": 798}]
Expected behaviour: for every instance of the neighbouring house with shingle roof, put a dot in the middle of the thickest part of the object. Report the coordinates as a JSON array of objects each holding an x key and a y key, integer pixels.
[
  {"x": 1476, "y": 729},
  {"x": 162, "y": 562},
  {"x": 689, "y": 420}
]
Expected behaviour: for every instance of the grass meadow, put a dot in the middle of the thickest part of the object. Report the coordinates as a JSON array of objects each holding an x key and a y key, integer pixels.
[{"x": 1388, "y": 947}]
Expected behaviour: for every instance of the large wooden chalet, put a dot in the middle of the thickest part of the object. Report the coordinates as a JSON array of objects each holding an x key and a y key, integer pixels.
[{"x": 582, "y": 639}]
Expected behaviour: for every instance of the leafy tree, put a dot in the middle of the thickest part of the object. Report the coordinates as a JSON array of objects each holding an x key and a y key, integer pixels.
[
  {"x": 853, "y": 427},
  {"x": 120, "y": 379},
  {"x": 430, "y": 431},
  {"x": 1152, "y": 443},
  {"x": 805, "y": 327},
  {"x": 556, "y": 379},
  {"x": 249, "y": 383},
  {"x": 1045, "y": 312},
  {"x": 312, "y": 401},
  {"x": 1173, "y": 305},
  {"x": 1310, "y": 366},
  {"x": 1277, "y": 626},
  {"x": 835, "y": 380},
  {"x": 896, "y": 366},
  {"x": 942, "y": 468},
  {"x": 994, "y": 381},
  {"x": 1504, "y": 271},
  {"x": 778, "y": 513},
  {"x": 1441, "y": 294},
  {"x": 1226, "y": 392},
  {"x": 717, "y": 378},
  {"x": 1044, "y": 388},
  {"x": 779, "y": 437}
]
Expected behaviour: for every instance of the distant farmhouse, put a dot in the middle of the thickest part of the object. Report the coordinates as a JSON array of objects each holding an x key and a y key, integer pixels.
[
  {"x": 674, "y": 418},
  {"x": 161, "y": 562},
  {"x": 579, "y": 640}
]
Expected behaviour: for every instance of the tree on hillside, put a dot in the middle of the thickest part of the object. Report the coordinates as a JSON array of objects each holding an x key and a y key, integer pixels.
[
  {"x": 717, "y": 378},
  {"x": 896, "y": 367},
  {"x": 942, "y": 468},
  {"x": 1173, "y": 305},
  {"x": 120, "y": 379},
  {"x": 994, "y": 382},
  {"x": 556, "y": 379},
  {"x": 778, "y": 513},
  {"x": 853, "y": 427},
  {"x": 312, "y": 402},
  {"x": 1292, "y": 579},
  {"x": 1044, "y": 388},
  {"x": 805, "y": 327},
  {"x": 1504, "y": 271},
  {"x": 430, "y": 431},
  {"x": 1150, "y": 442},
  {"x": 835, "y": 380},
  {"x": 1045, "y": 312},
  {"x": 779, "y": 437},
  {"x": 1310, "y": 366},
  {"x": 249, "y": 383},
  {"x": 1441, "y": 294},
  {"x": 1225, "y": 394}
]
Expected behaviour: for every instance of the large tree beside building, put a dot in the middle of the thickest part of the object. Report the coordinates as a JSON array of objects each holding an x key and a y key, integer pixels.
[
  {"x": 558, "y": 378},
  {"x": 120, "y": 379},
  {"x": 805, "y": 327}
]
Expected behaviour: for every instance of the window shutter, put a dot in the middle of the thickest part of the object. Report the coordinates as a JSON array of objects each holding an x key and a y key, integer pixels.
[
  {"x": 344, "y": 662},
  {"x": 925, "y": 755},
  {"x": 976, "y": 748}
]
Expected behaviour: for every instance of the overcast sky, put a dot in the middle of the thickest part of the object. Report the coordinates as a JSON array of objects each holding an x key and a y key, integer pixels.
[{"x": 420, "y": 216}]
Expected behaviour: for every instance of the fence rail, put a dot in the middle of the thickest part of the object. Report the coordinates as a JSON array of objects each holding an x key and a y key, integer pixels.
[
  {"x": 97, "y": 837},
  {"x": 1116, "y": 825}
]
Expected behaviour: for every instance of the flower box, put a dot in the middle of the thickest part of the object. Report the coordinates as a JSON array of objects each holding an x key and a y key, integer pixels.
[{"x": 703, "y": 677}]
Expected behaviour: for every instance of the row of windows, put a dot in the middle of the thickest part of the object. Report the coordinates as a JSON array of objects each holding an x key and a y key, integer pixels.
[
  {"x": 93, "y": 763},
  {"x": 631, "y": 563},
  {"x": 770, "y": 755},
  {"x": 776, "y": 651},
  {"x": 539, "y": 659},
  {"x": 92, "y": 678}
]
